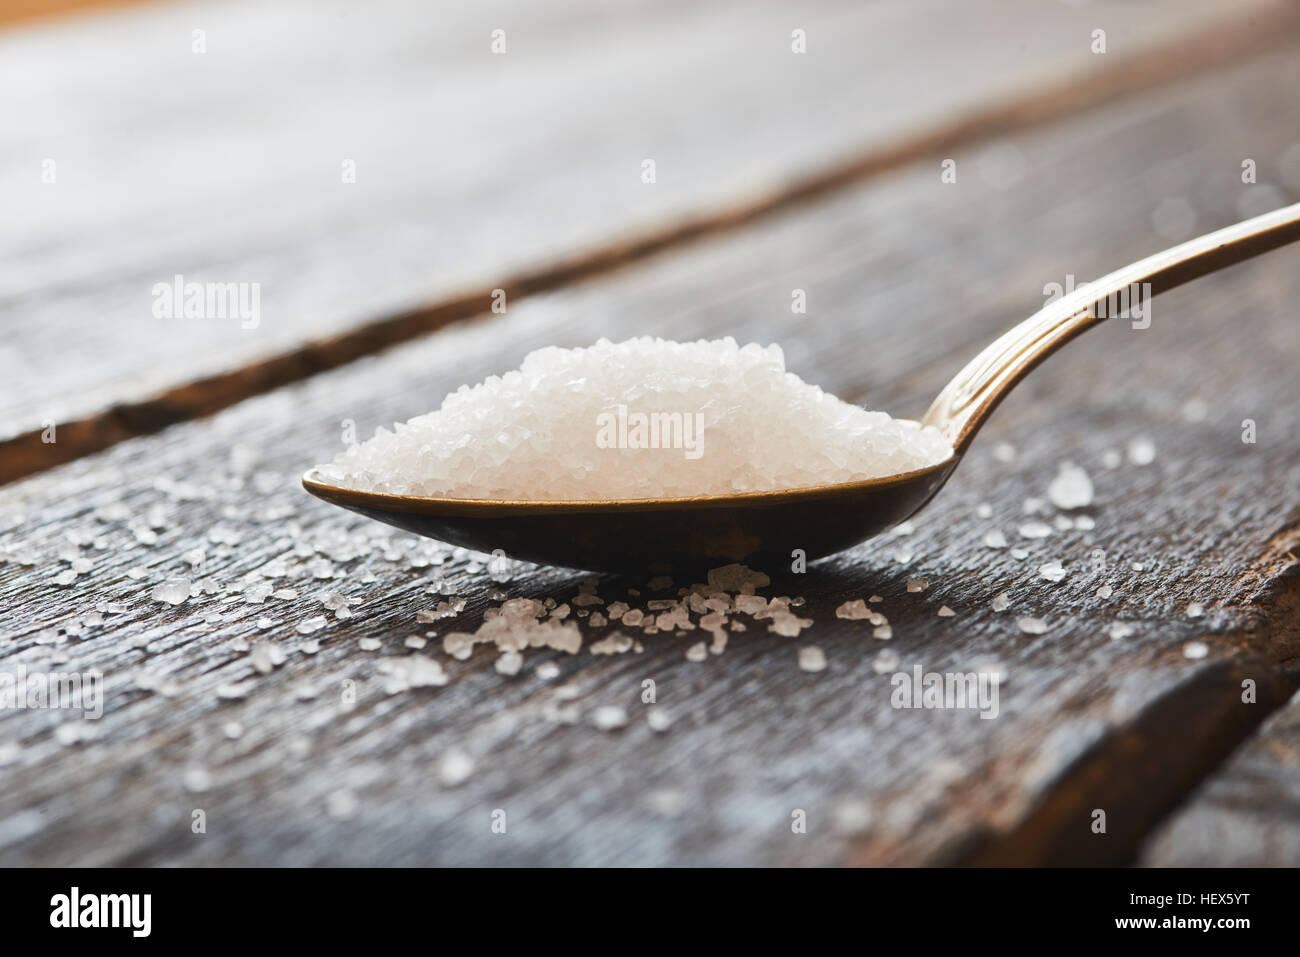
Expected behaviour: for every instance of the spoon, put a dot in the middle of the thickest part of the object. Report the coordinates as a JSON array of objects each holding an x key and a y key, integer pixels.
[{"x": 771, "y": 529}]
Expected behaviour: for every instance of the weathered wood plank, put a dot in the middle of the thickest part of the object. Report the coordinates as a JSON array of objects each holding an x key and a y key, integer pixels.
[
  {"x": 1248, "y": 813},
  {"x": 893, "y": 311},
  {"x": 474, "y": 171}
]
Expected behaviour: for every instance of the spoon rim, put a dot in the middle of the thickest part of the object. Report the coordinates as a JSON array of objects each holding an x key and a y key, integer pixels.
[{"x": 434, "y": 505}]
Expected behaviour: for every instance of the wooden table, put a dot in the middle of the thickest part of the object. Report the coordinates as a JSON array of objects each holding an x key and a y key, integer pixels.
[{"x": 179, "y": 443}]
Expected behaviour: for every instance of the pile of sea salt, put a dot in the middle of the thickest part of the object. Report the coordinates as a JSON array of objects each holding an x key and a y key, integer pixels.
[{"x": 638, "y": 419}]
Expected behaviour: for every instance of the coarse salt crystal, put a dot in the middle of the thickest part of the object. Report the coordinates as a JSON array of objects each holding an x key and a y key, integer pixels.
[
  {"x": 1053, "y": 571},
  {"x": 1071, "y": 488},
  {"x": 1141, "y": 451},
  {"x": 812, "y": 658},
  {"x": 609, "y": 717}
]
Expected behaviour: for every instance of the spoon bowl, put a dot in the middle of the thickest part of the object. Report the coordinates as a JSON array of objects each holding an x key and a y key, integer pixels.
[
  {"x": 760, "y": 529},
  {"x": 768, "y": 529}
]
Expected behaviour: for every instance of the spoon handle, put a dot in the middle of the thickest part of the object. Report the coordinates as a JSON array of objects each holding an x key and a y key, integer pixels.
[{"x": 966, "y": 402}]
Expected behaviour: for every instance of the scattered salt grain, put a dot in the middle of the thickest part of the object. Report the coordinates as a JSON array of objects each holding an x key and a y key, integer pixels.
[
  {"x": 1120, "y": 630},
  {"x": 265, "y": 657},
  {"x": 697, "y": 652},
  {"x": 1195, "y": 610},
  {"x": 1141, "y": 451},
  {"x": 1032, "y": 626},
  {"x": 174, "y": 591},
  {"x": 946, "y": 612},
  {"x": 1001, "y": 602},
  {"x": 615, "y": 644},
  {"x": 915, "y": 585},
  {"x": 1034, "y": 529},
  {"x": 1004, "y": 452},
  {"x": 1053, "y": 571},
  {"x": 609, "y": 717},
  {"x": 886, "y": 662},
  {"x": 1019, "y": 554},
  {"x": 658, "y": 719},
  {"x": 995, "y": 539},
  {"x": 455, "y": 768},
  {"x": 1105, "y": 591},
  {"x": 369, "y": 644},
  {"x": 234, "y": 691},
  {"x": 510, "y": 663},
  {"x": 1071, "y": 488},
  {"x": 413, "y": 671},
  {"x": 547, "y": 671},
  {"x": 311, "y": 625},
  {"x": 853, "y": 610},
  {"x": 884, "y": 633},
  {"x": 812, "y": 658},
  {"x": 1195, "y": 650}
]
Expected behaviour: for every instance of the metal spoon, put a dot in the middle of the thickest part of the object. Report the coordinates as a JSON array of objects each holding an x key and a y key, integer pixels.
[{"x": 770, "y": 529}]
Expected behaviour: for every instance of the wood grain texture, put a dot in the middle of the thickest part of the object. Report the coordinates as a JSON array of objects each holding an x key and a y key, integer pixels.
[
  {"x": 1248, "y": 813},
  {"x": 225, "y": 166},
  {"x": 893, "y": 311}
]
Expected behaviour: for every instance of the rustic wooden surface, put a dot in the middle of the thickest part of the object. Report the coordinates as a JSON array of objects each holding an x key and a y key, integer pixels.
[
  {"x": 536, "y": 184},
  {"x": 906, "y": 278},
  {"x": 1246, "y": 814}
]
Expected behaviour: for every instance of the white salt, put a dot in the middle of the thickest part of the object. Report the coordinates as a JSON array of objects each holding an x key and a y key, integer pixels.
[
  {"x": 995, "y": 539},
  {"x": 886, "y": 662},
  {"x": 1001, "y": 602},
  {"x": 1053, "y": 571},
  {"x": 1071, "y": 488},
  {"x": 609, "y": 717},
  {"x": 1032, "y": 626},
  {"x": 645, "y": 418},
  {"x": 812, "y": 658},
  {"x": 1035, "y": 529},
  {"x": 1195, "y": 650},
  {"x": 455, "y": 768},
  {"x": 853, "y": 610},
  {"x": 173, "y": 591},
  {"x": 1141, "y": 451}
]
